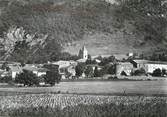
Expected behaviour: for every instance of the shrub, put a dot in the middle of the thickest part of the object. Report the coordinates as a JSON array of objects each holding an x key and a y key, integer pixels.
[
  {"x": 113, "y": 78},
  {"x": 139, "y": 72},
  {"x": 157, "y": 72}
]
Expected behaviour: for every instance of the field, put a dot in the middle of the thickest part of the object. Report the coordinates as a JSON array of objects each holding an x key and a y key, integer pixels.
[
  {"x": 97, "y": 87},
  {"x": 87, "y": 99}
]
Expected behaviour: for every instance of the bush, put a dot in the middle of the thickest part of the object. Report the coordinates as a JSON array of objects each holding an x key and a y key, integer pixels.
[
  {"x": 139, "y": 72},
  {"x": 113, "y": 78},
  {"x": 157, "y": 72},
  {"x": 27, "y": 78}
]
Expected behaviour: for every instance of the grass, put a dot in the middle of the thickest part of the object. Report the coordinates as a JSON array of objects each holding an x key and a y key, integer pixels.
[{"x": 96, "y": 87}]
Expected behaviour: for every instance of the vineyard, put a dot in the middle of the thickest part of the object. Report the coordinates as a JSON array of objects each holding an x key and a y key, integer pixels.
[{"x": 50, "y": 104}]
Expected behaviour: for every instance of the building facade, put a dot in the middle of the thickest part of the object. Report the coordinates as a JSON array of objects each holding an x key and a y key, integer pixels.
[
  {"x": 124, "y": 68},
  {"x": 149, "y": 66}
]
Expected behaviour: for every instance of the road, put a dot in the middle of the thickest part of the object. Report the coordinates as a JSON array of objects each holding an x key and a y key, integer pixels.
[{"x": 99, "y": 87}]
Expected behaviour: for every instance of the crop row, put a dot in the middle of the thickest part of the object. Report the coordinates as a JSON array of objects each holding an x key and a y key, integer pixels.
[{"x": 65, "y": 100}]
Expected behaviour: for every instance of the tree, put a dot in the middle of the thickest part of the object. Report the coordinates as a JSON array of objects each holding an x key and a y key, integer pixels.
[
  {"x": 80, "y": 69},
  {"x": 157, "y": 72},
  {"x": 89, "y": 60},
  {"x": 107, "y": 60},
  {"x": 96, "y": 72},
  {"x": 89, "y": 57},
  {"x": 89, "y": 71},
  {"x": 139, "y": 72},
  {"x": 52, "y": 77},
  {"x": 112, "y": 69},
  {"x": 99, "y": 58},
  {"x": 27, "y": 78},
  {"x": 112, "y": 59}
]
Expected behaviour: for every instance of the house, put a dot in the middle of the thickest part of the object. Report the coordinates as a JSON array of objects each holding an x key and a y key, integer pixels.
[
  {"x": 97, "y": 60},
  {"x": 139, "y": 63},
  {"x": 4, "y": 73},
  {"x": 94, "y": 66},
  {"x": 38, "y": 71},
  {"x": 14, "y": 70},
  {"x": 124, "y": 68},
  {"x": 152, "y": 65},
  {"x": 81, "y": 60},
  {"x": 66, "y": 68},
  {"x": 63, "y": 63},
  {"x": 149, "y": 66},
  {"x": 121, "y": 57},
  {"x": 67, "y": 72}
]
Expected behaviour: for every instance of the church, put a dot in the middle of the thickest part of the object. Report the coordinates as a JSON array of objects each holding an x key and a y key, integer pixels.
[{"x": 83, "y": 54}]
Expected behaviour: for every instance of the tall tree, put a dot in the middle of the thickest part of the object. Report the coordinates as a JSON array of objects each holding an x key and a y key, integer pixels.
[
  {"x": 80, "y": 68},
  {"x": 89, "y": 71}
]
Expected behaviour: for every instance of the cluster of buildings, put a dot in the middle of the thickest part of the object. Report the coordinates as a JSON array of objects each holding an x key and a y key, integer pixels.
[
  {"x": 136, "y": 64},
  {"x": 67, "y": 68}
]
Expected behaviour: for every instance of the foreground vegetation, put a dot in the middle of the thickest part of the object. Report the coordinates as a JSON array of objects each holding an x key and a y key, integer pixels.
[
  {"x": 106, "y": 110},
  {"x": 63, "y": 105}
]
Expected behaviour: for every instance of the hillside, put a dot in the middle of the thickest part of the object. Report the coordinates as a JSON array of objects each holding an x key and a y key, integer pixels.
[
  {"x": 108, "y": 44},
  {"x": 105, "y": 27}
]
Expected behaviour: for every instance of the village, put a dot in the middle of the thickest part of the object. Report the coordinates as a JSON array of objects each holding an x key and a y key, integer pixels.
[{"x": 91, "y": 67}]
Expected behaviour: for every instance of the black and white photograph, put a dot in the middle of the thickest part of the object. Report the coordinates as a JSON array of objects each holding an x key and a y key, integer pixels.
[{"x": 83, "y": 58}]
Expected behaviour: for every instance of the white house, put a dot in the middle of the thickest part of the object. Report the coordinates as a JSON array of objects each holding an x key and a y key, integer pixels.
[
  {"x": 14, "y": 70},
  {"x": 149, "y": 66},
  {"x": 124, "y": 68}
]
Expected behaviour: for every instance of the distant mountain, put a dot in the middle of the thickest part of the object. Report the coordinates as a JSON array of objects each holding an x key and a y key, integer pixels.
[{"x": 103, "y": 26}]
